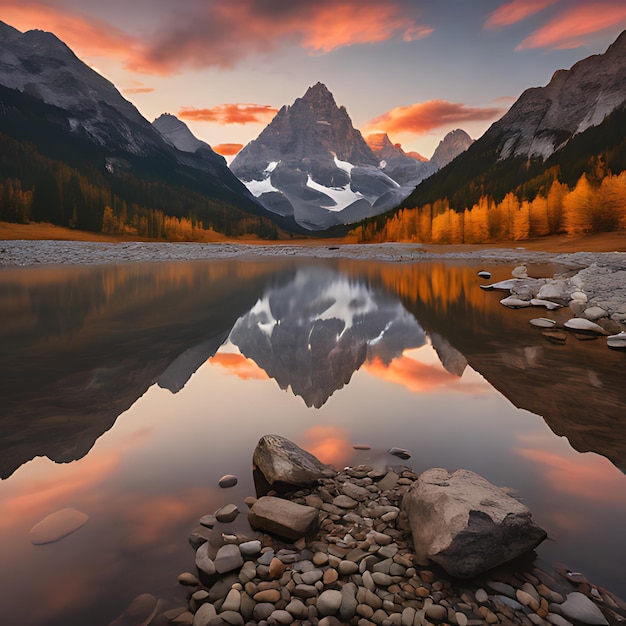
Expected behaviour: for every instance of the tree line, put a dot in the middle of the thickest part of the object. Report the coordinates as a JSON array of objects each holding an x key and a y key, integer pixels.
[{"x": 595, "y": 204}]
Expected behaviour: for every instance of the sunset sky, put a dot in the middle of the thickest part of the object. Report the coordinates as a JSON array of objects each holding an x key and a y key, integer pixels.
[{"x": 413, "y": 68}]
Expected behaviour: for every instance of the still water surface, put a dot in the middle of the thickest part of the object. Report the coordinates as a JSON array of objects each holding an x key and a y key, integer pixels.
[{"x": 128, "y": 391}]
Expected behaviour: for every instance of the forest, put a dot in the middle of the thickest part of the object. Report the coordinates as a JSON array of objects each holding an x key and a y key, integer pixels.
[{"x": 37, "y": 188}]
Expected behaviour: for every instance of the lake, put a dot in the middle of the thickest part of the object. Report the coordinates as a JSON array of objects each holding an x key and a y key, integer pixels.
[{"x": 129, "y": 390}]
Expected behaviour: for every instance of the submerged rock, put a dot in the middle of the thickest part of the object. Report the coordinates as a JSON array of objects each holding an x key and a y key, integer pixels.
[
  {"x": 281, "y": 460},
  {"x": 466, "y": 524},
  {"x": 56, "y": 526},
  {"x": 515, "y": 303}
]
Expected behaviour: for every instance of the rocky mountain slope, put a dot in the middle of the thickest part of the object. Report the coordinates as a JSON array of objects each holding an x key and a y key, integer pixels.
[
  {"x": 52, "y": 100},
  {"x": 562, "y": 127},
  {"x": 312, "y": 164},
  {"x": 412, "y": 168}
]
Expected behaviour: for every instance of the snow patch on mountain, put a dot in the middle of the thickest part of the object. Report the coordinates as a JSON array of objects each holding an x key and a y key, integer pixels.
[{"x": 340, "y": 197}]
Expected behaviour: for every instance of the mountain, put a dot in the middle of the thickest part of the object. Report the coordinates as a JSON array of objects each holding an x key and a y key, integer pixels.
[
  {"x": 454, "y": 143},
  {"x": 412, "y": 168},
  {"x": 564, "y": 128},
  {"x": 53, "y": 103},
  {"x": 312, "y": 164}
]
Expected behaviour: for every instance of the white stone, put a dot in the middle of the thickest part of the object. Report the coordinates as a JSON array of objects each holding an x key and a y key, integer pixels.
[
  {"x": 515, "y": 303},
  {"x": 545, "y": 303},
  {"x": 594, "y": 313},
  {"x": 543, "y": 322},
  {"x": 617, "y": 341},
  {"x": 579, "y": 323},
  {"x": 520, "y": 272}
]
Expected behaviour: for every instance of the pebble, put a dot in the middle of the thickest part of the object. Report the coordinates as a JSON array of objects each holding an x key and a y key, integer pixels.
[
  {"x": 188, "y": 579},
  {"x": 227, "y": 513},
  {"x": 208, "y": 520},
  {"x": 249, "y": 548},
  {"x": 228, "y": 558},
  {"x": 203, "y": 562},
  {"x": 229, "y": 480},
  {"x": 329, "y": 602}
]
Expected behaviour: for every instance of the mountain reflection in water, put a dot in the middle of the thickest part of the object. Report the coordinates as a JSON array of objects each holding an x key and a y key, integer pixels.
[
  {"x": 313, "y": 333},
  {"x": 145, "y": 383}
]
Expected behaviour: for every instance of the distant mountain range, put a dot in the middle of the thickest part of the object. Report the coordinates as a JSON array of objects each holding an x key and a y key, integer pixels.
[{"x": 310, "y": 163}]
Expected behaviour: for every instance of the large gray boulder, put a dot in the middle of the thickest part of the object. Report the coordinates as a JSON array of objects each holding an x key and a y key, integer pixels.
[
  {"x": 465, "y": 524},
  {"x": 281, "y": 460},
  {"x": 284, "y": 518}
]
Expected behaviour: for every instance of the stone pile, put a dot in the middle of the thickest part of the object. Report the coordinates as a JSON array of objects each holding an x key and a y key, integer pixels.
[{"x": 354, "y": 563}]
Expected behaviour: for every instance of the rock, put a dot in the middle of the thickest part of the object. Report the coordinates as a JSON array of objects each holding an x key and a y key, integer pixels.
[
  {"x": 298, "y": 609},
  {"x": 263, "y": 610},
  {"x": 203, "y": 562},
  {"x": 484, "y": 274},
  {"x": 282, "y": 517},
  {"x": 555, "y": 336},
  {"x": 344, "y": 502},
  {"x": 465, "y": 523},
  {"x": 594, "y": 313},
  {"x": 188, "y": 579},
  {"x": 556, "y": 291},
  {"x": 361, "y": 446},
  {"x": 355, "y": 492},
  {"x": 228, "y": 558},
  {"x": 249, "y": 548},
  {"x": 520, "y": 272},
  {"x": 208, "y": 521},
  {"x": 140, "y": 611},
  {"x": 267, "y": 595},
  {"x": 281, "y": 616},
  {"x": 515, "y": 303},
  {"x": 543, "y": 322},
  {"x": 228, "y": 481},
  {"x": 281, "y": 460},
  {"x": 557, "y": 620},
  {"x": 56, "y": 526},
  {"x": 227, "y": 513},
  {"x": 400, "y": 453},
  {"x": 436, "y": 612},
  {"x": 204, "y": 615},
  {"x": 579, "y": 296},
  {"x": 579, "y": 607},
  {"x": 582, "y": 325},
  {"x": 232, "y": 602},
  {"x": 231, "y": 617},
  {"x": 545, "y": 303},
  {"x": 503, "y": 285},
  {"x": 328, "y": 602},
  {"x": 617, "y": 341}
]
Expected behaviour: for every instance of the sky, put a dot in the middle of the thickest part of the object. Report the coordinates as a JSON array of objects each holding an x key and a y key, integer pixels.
[{"x": 415, "y": 69}]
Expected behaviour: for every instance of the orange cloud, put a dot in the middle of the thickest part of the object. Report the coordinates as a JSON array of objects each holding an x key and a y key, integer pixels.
[
  {"x": 421, "y": 117},
  {"x": 227, "y": 149},
  {"x": 239, "y": 113},
  {"x": 139, "y": 90},
  {"x": 328, "y": 443},
  {"x": 419, "y": 377},
  {"x": 237, "y": 364},
  {"x": 569, "y": 28},
  {"x": 87, "y": 34},
  {"x": 516, "y": 11}
]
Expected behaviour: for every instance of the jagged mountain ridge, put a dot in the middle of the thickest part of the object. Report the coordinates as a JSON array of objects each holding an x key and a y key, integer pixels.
[
  {"x": 311, "y": 163},
  {"x": 412, "y": 169},
  {"x": 578, "y": 116}
]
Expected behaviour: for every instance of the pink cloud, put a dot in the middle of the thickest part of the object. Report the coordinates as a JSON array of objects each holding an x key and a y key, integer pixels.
[
  {"x": 516, "y": 11},
  {"x": 236, "y": 113},
  {"x": 421, "y": 117},
  {"x": 570, "y": 27}
]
